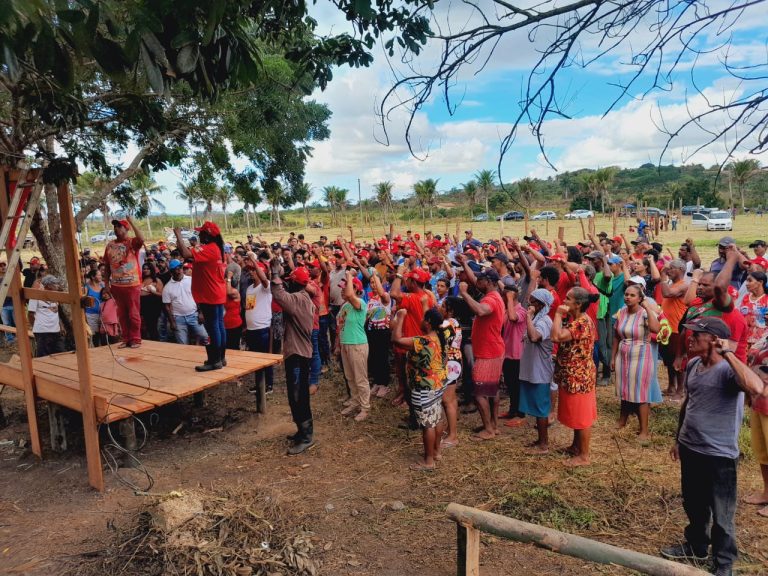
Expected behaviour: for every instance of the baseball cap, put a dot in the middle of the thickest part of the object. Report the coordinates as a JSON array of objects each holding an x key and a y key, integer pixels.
[
  {"x": 658, "y": 246},
  {"x": 618, "y": 239},
  {"x": 603, "y": 235},
  {"x": 726, "y": 241},
  {"x": 614, "y": 259},
  {"x": 509, "y": 283},
  {"x": 474, "y": 266},
  {"x": 556, "y": 258},
  {"x": 123, "y": 223},
  {"x": 419, "y": 275},
  {"x": 500, "y": 256},
  {"x": 710, "y": 325},
  {"x": 173, "y": 264},
  {"x": 757, "y": 243},
  {"x": 594, "y": 255},
  {"x": 355, "y": 282},
  {"x": 639, "y": 240},
  {"x": 275, "y": 246},
  {"x": 489, "y": 274},
  {"x": 300, "y": 275},
  {"x": 210, "y": 227},
  {"x": 637, "y": 280},
  {"x": 34, "y": 260}
]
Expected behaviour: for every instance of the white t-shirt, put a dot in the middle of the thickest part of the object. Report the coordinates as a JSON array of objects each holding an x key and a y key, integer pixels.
[
  {"x": 179, "y": 296},
  {"x": 46, "y": 316},
  {"x": 258, "y": 307}
]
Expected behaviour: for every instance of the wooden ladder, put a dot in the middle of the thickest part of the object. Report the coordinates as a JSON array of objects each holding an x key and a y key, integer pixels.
[{"x": 24, "y": 202}]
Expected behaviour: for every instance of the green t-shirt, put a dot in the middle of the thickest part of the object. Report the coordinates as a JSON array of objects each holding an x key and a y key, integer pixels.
[
  {"x": 616, "y": 299},
  {"x": 353, "y": 331},
  {"x": 603, "y": 286}
]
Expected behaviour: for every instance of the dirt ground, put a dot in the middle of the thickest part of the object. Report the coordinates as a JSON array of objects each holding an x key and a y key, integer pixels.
[{"x": 343, "y": 490}]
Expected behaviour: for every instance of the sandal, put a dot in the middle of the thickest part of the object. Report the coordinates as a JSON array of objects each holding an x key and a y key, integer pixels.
[
  {"x": 421, "y": 467},
  {"x": 448, "y": 444}
]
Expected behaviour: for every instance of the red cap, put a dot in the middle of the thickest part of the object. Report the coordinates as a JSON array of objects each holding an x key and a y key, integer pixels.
[
  {"x": 209, "y": 227},
  {"x": 434, "y": 260},
  {"x": 313, "y": 263},
  {"x": 364, "y": 254},
  {"x": 472, "y": 252},
  {"x": 420, "y": 275},
  {"x": 760, "y": 261},
  {"x": 34, "y": 260},
  {"x": 411, "y": 253},
  {"x": 355, "y": 282},
  {"x": 618, "y": 239},
  {"x": 300, "y": 275},
  {"x": 123, "y": 223},
  {"x": 417, "y": 236},
  {"x": 556, "y": 257}
]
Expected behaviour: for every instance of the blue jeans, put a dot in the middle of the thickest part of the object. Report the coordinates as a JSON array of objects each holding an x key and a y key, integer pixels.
[
  {"x": 187, "y": 324},
  {"x": 315, "y": 365},
  {"x": 213, "y": 319},
  {"x": 162, "y": 327},
  {"x": 7, "y": 317},
  {"x": 258, "y": 341}
]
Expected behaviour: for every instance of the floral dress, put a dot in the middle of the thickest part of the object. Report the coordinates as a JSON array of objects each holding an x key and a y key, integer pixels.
[
  {"x": 426, "y": 380},
  {"x": 754, "y": 312},
  {"x": 576, "y": 374}
]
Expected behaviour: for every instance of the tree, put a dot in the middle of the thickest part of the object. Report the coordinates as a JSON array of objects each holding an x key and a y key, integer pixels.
[
  {"x": 383, "y": 191},
  {"x": 644, "y": 42},
  {"x": 486, "y": 182},
  {"x": 88, "y": 187},
  {"x": 470, "y": 192},
  {"x": 144, "y": 187},
  {"x": 336, "y": 198},
  {"x": 96, "y": 78},
  {"x": 741, "y": 171},
  {"x": 275, "y": 193},
  {"x": 527, "y": 190},
  {"x": 188, "y": 192},
  {"x": 302, "y": 194},
  {"x": 247, "y": 191},
  {"x": 224, "y": 196}
]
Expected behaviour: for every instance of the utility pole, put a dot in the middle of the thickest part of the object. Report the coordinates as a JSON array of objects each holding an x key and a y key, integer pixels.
[{"x": 360, "y": 205}]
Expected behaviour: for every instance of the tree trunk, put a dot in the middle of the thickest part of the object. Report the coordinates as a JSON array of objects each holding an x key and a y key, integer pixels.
[
  {"x": 191, "y": 217},
  {"x": 247, "y": 218},
  {"x": 741, "y": 193},
  {"x": 224, "y": 209},
  {"x": 149, "y": 226},
  {"x": 486, "y": 204},
  {"x": 306, "y": 214}
]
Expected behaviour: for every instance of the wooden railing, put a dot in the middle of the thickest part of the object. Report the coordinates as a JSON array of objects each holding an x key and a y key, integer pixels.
[{"x": 470, "y": 522}]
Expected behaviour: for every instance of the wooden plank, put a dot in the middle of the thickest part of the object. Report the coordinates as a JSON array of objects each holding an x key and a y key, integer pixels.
[
  {"x": 238, "y": 358},
  {"x": 50, "y": 296},
  {"x": 12, "y": 330},
  {"x": 80, "y": 330},
  {"x": 468, "y": 550},
  {"x": 25, "y": 346}
]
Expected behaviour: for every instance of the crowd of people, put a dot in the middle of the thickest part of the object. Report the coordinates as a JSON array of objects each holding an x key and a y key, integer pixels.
[{"x": 444, "y": 326}]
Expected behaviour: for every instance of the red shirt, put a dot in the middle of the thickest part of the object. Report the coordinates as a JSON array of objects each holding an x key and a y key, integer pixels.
[
  {"x": 412, "y": 303},
  {"x": 232, "y": 317},
  {"x": 732, "y": 317},
  {"x": 486, "y": 330},
  {"x": 592, "y": 289},
  {"x": 208, "y": 284},
  {"x": 564, "y": 283},
  {"x": 555, "y": 304},
  {"x": 317, "y": 300}
]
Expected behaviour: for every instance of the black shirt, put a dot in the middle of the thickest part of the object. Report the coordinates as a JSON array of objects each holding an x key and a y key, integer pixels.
[{"x": 29, "y": 277}]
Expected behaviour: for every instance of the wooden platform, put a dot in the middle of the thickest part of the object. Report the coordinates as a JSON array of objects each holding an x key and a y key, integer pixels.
[{"x": 129, "y": 381}]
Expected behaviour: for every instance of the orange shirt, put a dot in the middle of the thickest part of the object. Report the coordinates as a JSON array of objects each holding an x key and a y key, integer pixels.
[
  {"x": 674, "y": 309},
  {"x": 122, "y": 258}
]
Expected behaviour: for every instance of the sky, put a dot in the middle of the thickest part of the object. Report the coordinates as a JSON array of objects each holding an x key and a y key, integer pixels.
[{"x": 452, "y": 145}]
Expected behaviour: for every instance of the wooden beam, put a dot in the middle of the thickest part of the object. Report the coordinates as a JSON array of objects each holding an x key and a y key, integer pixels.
[
  {"x": 568, "y": 544},
  {"x": 468, "y": 550},
  {"x": 22, "y": 324},
  {"x": 50, "y": 296},
  {"x": 79, "y": 328}
]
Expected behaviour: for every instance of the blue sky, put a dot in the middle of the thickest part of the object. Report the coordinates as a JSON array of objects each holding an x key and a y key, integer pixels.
[{"x": 453, "y": 147}]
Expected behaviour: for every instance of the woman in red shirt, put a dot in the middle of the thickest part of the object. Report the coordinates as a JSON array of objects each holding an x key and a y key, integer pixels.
[
  {"x": 233, "y": 322},
  {"x": 209, "y": 289}
]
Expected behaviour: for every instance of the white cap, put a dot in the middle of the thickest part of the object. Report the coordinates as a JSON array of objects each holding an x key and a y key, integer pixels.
[{"x": 637, "y": 280}]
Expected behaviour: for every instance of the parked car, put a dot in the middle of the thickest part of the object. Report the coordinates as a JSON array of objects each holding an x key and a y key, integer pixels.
[
  {"x": 651, "y": 212},
  {"x": 29, "y": 241},
  {"x": 185, "y": 234},
  {"x": 317, "y": 224},
  {"x": 688, "y": 210},
  {"x": 719, "y": 220},
  {"x": 480, "y": 218},
  {"x": 577, "y": 214},
  {"x": 103, "y": 237},
  {"x": 511, "y": 215},
  {"x": 546, "y": 215}
]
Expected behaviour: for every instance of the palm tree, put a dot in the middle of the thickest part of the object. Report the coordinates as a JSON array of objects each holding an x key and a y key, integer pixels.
[
  {"x": 470, "y": 191},
  {"x": 189, "y": 193},
  {"x": 250, "y": 195},
  {"x": 592, "y": 184},
  {"x": 604, "y": 182},
  {"x": 486, "y": 182},
  {"x": 302, "y": 194},
  {"x": 527, "y": 190},
  {"x": 275, "y": 195},
  {"x": 336, "y": 198},
  {"x": 741, "y": 171},
  {"x": 430, "y": 193},
  {"x": 224, "y": 195},
  {"x": 144, "y": 186},
  {"x": 383, "y": 192}
]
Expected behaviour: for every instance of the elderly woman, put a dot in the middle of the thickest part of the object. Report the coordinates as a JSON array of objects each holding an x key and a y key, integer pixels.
[
  {"x": 536, "y": 366},
  {"x": 634, "y": 358},
  {"x": 575, "y": 372}
]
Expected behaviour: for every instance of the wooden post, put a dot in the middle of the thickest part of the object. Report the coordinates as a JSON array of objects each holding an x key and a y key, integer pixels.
[
  {"x": 74, "y": 287},
  {"x": 22, "y": 328},
  {"x": 583, "y": 232},
  {"x": 561, "y": 233},
  {"x": 547, "y": 227},
  {"x": 615, "y": 223},
  {"x": 468, "y": 550}
]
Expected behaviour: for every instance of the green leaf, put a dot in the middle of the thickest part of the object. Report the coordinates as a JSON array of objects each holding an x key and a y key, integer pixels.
[
  {"x": 44, "y": 50},
  {"x": 72, "y": 16},
  {"x": 64, "y": 71},
  {"x": 215, "y": 14},
  {"x": 109, "y": 54},
  {"x": 154, "y": 75}
]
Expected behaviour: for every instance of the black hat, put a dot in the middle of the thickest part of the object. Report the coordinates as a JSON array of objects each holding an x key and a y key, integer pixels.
[
  {"x": 757, "y": 243},
  {"x": 489, "y": 274},
  {"x": 500, "y": 256},
  {"x": 658, "y": 246},
  {"x": 710, "y": 325}
]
